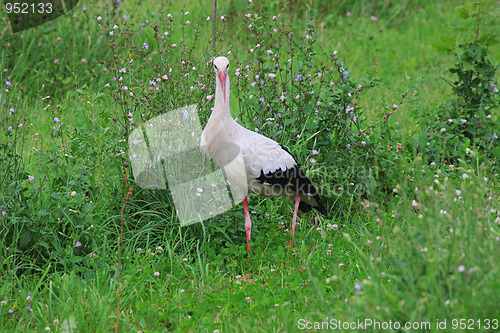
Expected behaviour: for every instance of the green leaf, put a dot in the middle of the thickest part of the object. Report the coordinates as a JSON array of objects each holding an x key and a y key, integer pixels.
[
  {"x": 76, "y": 259},
  {"x": 444, "y": 43},
  {"x": 56, "y": 196},
  {"x": 42, "y": 212}
]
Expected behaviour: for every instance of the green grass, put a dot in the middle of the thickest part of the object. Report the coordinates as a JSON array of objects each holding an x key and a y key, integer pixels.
[{"x": 420, "y": 246}]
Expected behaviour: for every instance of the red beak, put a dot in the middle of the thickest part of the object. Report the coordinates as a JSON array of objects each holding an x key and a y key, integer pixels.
[{"x": 222, "y": 77}]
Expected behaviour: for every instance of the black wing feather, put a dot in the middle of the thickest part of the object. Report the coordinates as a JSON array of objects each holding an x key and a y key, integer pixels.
[{"x": 294, "y": 179}]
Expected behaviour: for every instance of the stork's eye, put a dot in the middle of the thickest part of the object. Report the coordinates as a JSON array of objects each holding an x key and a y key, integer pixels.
[
  {"x": 215, "y": 66},
  {"x": 227, "y": 66}
]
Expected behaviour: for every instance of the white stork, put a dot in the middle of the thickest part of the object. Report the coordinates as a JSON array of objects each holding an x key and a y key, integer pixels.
[{"x": 267, "y": 168}]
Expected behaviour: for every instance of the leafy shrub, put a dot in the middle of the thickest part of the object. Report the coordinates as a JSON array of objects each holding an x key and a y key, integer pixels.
[{"x": 467, "y": 120}]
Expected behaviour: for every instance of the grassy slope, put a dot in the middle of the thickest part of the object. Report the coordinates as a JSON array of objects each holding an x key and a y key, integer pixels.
[{"x": 407, "y": 267}]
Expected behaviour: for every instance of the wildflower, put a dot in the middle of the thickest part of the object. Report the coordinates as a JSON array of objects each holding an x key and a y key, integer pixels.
[
  {"x": 73, "y": 193},
  {"x": 299, "y": 77},
  {"x": 4, "y": 213},
  {"x": 345, "y": 73},
  {"x": 463, "y": 121},
  {"x": 125, "y": 88},
  {"x": 99, "y": 18},
  {"x": 56, "y": 120},
  {"x": 357, "y": 287},
  {"x": 312, "y": 160},
  {"x": 28, "y": 298},
  {"x": 134, "y": 142},
  {"x": 461, "y": 268},
  {"x": 111, "y": 33},
  {"x": 169, "y": 15},
  {"x": 261, "y": 99},
  {"x": 314, "y": 152},
  {"x": 157, "y": 273},
  {"x": 77, "y": 244},
  {"x": 30, "y": 177},
  {"x": 253, "y": 83},
  {"x": 495, "y": 136},
  {"x": 56, "y": 61},
  {"x": 9, "y": 129},
  {"x": 209, "y": 97},
  {"x": 187, "y": 22},
  {"x": 271, "y": 75},
  {"x": 394, "y": 106},
  {"x": 11, "y": 111},
  {"x": 20, "y": 125},
  {"x": 363, "y": 143},
  {"x": 465, "y": 176},
  {"x": 145, "y": 46},
  {"x": 495, "y": 89},
  {"x": 348, "y": 14},
  {"x": 8, "y": 83},
  {"x": 374, "y": 19},
  {"x": 84, "y": 9}
]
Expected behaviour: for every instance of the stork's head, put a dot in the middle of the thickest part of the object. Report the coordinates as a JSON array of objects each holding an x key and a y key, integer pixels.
[{"x": 221, "y": 67}]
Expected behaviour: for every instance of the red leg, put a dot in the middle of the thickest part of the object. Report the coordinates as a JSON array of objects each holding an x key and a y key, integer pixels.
[
  {"x": 295, "y": 210},
  {"x": 248, "y": 223}
]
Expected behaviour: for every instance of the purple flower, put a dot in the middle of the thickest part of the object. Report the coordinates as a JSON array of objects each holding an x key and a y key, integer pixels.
[
  {"x": 123, "y": 70},
  {"x": 56, "y": 61},
  {"x": 271, "y": 75},
  {"x": 9, "y": 129},
  {"x": 111, "y": 33},
  {"x": 357, "y": 287},
  {"x": 28, "y": 298},
  {"x": 312, "y": 160},
  {"x": 84, "y": 9},
  {"x": 117, "y": 2},
  {"x": 56, "y": 120},
  {"x": 269, "y": 52},
  {"x": 105, "y": 69},
  {"x": 253, "y": 84},
  {"x": 30, "y": 177},
  {"x": 77, "y": 244},
  {"x": 495, "y": 136},
  {"x": 299, "y": 77},
  {"x": 8, "y": 83},
  {"x": 145, "y": 46},
  {"x": 463, "y": 121},
  {"x": 345, "y": 73},
  {"x": 261, "y": 99},
  {"x": 12, "y": 110},
  {"x": 461, "y": 268},
  {"x": 84, "y": 61},
  {"x": 314, "y": 152},
  {"x": 4, "y": 213}
]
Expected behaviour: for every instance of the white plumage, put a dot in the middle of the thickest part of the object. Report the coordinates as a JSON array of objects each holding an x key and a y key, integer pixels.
[{"x": 252, "y": 162}]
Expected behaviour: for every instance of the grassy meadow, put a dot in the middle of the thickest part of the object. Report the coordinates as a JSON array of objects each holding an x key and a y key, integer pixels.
[{"x": 390, "y": 107}]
